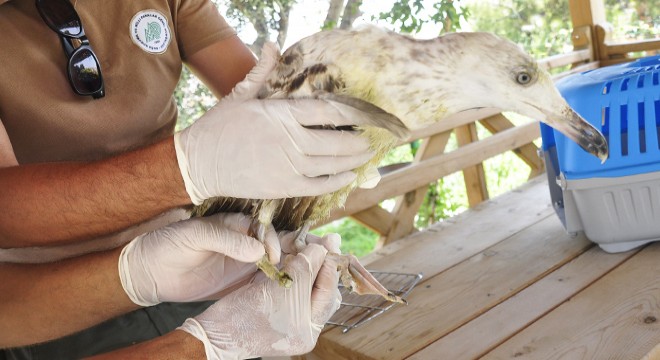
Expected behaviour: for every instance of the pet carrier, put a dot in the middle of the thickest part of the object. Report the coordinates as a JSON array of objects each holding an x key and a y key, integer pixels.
[{"x": 616, "y": 204}]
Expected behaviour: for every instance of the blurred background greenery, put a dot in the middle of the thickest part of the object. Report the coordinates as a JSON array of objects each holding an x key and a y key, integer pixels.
[{"x": 542, "y": 27}]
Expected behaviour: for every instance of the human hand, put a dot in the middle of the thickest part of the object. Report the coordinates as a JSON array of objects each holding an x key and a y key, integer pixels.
[
  {"x": 192, "y": 259},
  {"x": 263, "y": 318},
  {"x": 288, "y": 244},
  {"x": 265, "y": 149}
]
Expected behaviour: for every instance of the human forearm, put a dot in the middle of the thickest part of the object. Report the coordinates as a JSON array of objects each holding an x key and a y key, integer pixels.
[
  {"x": 174, "y": 345},
  {"x": 48, "y": 301},
  {"x": 63, "y": 202}
]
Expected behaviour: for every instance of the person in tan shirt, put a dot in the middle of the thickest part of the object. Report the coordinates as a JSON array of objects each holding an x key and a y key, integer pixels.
[{"x": 89, "y": 163}]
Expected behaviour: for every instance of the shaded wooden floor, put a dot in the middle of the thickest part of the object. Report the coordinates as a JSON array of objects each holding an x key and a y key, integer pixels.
[{"x": 505, "y": 281}]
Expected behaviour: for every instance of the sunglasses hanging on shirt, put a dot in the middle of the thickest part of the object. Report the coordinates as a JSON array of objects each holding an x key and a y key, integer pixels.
[{"x": 83, "y": 69}]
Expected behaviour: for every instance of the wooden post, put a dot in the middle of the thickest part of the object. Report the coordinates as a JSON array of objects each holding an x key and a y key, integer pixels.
[
  {"x": 588, "y": 13},
  {"x": 474, "y": 176}
]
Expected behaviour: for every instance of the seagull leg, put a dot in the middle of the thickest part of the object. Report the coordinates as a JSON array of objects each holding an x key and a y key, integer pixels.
[
  {"x": 274, "y": 273},
  {"x": 356, "y": 278},
  {"x": 301, "y": 239},
  {"x": 258, "y": 228}
]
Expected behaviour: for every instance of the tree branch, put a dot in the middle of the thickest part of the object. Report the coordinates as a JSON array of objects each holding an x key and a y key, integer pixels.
[
  {"x": 351, "y": 12},
  {"x": 334, "y": 11}
]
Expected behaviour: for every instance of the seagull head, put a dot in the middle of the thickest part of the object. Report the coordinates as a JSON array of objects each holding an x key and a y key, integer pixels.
[{"x": 494, "y": 72}]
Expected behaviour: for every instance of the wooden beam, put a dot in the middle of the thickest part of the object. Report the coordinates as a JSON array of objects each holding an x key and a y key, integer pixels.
[
  {"x": 451, "y": 122},
  {"x": 407, "y": 206},
  {"x": 614, "y": 53},
  {"x": 417, "y": 175},
  {"x": 375, "y": 218},
  {"x": 473, "y": 176},
  {"x": 528, "y": 153},
  {"x": 603, "y": 34},
  {"x": 640, "y": 45},
  {"x": 588, "y": 13},
  {"x": 565, "y": 59}
]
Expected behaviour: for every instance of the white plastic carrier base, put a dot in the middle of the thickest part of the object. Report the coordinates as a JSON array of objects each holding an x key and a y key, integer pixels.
[{"x": 619, "y": 214}]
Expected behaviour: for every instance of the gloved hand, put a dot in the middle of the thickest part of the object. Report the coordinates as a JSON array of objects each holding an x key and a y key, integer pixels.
[
  {"x": 330, "y": 241},
  {"x": 263, "y": 318},
  {"x": 261, "y": 149},
  {"x": 192, "y": 259}
]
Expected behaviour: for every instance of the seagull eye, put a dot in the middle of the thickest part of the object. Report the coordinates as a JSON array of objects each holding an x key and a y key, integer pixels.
[{"x": 523, "y": 78}]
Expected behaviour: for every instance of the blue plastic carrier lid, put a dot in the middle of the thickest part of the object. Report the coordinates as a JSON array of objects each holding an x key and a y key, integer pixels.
[{"x": 623, "y": 102}]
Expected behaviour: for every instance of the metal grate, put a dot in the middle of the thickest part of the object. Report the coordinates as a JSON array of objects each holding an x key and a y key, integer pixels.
[{"x": 356, "y": 309}]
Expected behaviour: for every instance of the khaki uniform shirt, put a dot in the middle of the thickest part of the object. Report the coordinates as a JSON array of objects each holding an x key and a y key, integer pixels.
[
  {"x": 46, "y": 121},
  {"x": 140, "y": 45}
]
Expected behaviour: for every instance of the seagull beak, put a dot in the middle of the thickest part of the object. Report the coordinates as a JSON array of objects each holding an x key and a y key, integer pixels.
[{"x": 569, "y": 123}]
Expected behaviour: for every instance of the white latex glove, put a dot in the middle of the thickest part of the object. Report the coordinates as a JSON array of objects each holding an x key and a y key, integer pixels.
[
  {"x": 264, "y": 318},
  {"x": 330, "y": 241},
  {"x": 192, "y": 259},
  {"x": 261, "y": 149}
]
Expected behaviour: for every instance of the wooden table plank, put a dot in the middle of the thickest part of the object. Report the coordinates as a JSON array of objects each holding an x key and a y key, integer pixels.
[
  {"x": 470, "y": 232},
  {"x": 509, "y": 317},
  {"x": 447, "y": 301},
  {"x": 615, "y": 318}
]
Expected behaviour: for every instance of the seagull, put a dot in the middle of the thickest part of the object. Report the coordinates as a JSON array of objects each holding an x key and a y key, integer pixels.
[{"x": 406, "y": 84}]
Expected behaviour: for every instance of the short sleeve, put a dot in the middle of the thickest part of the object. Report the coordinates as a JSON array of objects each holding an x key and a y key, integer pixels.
[
  {"x": 7, "y": 156},
  {"x": 198, "y": 25}
]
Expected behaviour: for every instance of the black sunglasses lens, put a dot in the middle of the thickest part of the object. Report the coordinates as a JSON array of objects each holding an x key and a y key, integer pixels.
[
  {"x": 61, "y": 16},
  {"x": 85, "y": 72}
]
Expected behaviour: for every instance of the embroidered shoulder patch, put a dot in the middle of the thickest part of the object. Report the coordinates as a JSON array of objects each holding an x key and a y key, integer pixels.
[{"x": 150, "y": 31}]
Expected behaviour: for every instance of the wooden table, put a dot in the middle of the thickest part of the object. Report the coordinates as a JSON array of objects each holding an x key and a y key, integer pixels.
[{"x": 505, "y": 281}]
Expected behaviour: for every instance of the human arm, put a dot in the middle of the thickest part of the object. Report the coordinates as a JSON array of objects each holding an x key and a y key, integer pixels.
[
  {"x": 219, "y": 72},
  {"x": 7, "y": 156},
  {"x": 174, "y": 345},
  {"x": 185, "y": 261},
  {"x": 56, "y": 203},
  {"x": 40, "y": 302}
]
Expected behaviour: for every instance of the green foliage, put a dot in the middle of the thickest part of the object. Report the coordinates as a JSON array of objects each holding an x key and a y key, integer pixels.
[
  {"x": 355, "y": 238},
  {"x": 447, "y": 13},
  {"x": 540, "y": 26},
  {"x": 444, "y": 199},
  {"x": 634, "y": 19},
  {"x": 403, "y": 15},
  {"x": 410, "y": 16},
  {"x": 245, "y": 11},
  {"x": 192, "y": 97}
]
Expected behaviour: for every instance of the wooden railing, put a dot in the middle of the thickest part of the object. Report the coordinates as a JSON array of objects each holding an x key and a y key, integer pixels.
[
  {"x": 408, "y": 183},
  {"x": 611, "y": 52}
]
